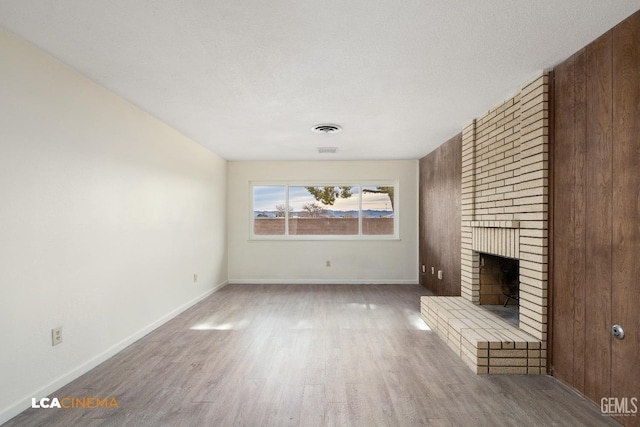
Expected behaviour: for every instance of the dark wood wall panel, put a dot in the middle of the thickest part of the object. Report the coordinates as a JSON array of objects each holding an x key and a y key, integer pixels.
[
  {"x": 440, "y": 216},
  {"x": 565, "y": 250},
  {"x": 579, "y": 219},
  {"x": 596, "y": 216},
  {"x": 626, "y": 207}
]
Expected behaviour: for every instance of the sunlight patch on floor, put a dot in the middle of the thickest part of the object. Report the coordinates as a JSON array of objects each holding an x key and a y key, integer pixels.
[
  {"x": 416, "y": 320},
  {"x": 362, "y": 305},
  {"x": 212, "y": 327}
]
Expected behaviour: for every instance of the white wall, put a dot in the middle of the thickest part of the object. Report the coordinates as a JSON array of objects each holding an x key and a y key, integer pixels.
[
  {"x": 352, "y": 261},
  {"x": 105, "y": 216}
]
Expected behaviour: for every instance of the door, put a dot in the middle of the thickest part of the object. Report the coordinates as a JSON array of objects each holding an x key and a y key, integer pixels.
[
  {"x": 596, "y": 221},
  {"x": 625, "y": 298}
]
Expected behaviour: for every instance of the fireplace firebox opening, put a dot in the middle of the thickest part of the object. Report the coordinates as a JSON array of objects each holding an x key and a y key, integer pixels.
[
  {"x": 499, "y": 280},
  {"x": 499, "y": 286}
]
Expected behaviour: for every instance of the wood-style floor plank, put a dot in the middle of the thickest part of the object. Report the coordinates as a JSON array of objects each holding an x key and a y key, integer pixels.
[{"x": 307, "y": 355}]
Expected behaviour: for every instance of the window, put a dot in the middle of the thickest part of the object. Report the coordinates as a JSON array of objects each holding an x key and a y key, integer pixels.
[
  {"x": 324, "y": 211},
  {"x": 375, "y": 219},
  {"x": 269, "y": 206}
]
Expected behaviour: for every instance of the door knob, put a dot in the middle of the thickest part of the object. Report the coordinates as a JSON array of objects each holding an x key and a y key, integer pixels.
[{"x": 617, "y": 332}]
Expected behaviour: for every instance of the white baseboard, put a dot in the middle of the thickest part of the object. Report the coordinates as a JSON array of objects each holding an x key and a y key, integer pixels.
[
  {"x": 323, "y": 282},
  {"x": 46, "y": 390}
]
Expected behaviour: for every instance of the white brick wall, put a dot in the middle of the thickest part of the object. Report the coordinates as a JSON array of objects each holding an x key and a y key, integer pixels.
[{"x": 505, "y": 169}]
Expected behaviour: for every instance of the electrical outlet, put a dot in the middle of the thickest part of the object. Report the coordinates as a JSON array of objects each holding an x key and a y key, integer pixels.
[
  {"x": 440, "y": 274},
  {"x": 328, "y": 263},
  {"x": 56, "y": 336}
]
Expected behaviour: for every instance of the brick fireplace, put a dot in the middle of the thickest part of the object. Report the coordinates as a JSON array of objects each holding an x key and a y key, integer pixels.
[
  {"x": 504, "y": 213},
  {"x": 505, "y": 190}
]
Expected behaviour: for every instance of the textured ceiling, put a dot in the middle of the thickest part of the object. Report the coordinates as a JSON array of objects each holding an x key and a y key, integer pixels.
[{"x": 249, "y": 79}]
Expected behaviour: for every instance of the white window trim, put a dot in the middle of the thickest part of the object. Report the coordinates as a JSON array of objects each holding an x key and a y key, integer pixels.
[{"x": 335, "y": 237}]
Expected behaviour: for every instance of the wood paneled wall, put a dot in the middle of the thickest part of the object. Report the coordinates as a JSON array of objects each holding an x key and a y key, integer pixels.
[
  {"x": 440, "y": 186},
  {"x": 596, "y": 215}
]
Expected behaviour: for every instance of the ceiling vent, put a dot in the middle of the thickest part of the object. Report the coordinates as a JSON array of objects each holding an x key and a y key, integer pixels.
[
  {"x": 327, "y": 150},
  {"x": 327, "y": 128}
]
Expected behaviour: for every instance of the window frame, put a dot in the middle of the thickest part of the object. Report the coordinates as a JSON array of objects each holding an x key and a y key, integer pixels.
[{"x": 325, "y": 183}]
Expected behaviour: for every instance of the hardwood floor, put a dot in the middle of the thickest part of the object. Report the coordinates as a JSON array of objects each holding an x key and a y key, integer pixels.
[{"x": 307, "y": 355}]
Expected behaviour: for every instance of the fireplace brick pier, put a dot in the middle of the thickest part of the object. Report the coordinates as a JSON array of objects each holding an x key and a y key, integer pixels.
[{"x": 504, "y": 209}]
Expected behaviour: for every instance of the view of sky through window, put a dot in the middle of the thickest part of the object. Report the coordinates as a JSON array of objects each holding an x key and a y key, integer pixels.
[{"x": 267, "y": 199}]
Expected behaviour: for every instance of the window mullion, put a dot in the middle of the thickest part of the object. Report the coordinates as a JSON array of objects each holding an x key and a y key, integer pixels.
[
  {"x": 286, "y": 210},
  {"x": 359, "y": 210}
]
